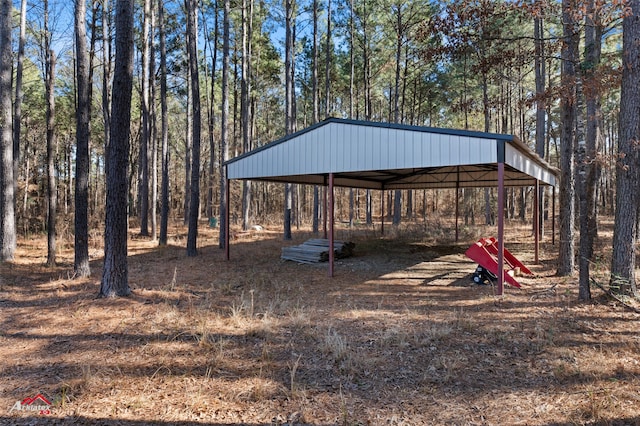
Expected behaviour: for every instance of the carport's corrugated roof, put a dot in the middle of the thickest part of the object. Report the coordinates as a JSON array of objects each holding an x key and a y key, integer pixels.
[{"x": 374, "y": 155}]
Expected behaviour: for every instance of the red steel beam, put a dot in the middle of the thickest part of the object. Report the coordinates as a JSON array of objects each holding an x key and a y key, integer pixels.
[
  {"x": 331, "y": 228},
  {"x": 500, "y": 229}
]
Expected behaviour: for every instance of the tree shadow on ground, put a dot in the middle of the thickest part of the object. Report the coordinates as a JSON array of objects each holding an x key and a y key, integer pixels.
[{"x": 399, "y": 329}]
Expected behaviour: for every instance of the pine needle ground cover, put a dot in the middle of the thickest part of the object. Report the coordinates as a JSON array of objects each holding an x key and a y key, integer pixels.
[{"x": 399, "y": 336}]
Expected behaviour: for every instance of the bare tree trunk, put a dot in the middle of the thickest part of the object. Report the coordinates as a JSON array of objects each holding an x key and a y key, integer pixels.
[
  {"x": 351, "y": 206},
  {"x": 540, "y": 74},
  {"x": 289, "y": 104},
  {"x": 115, "y": 276},
  {"x": 351, "y": 93},
  {"x": 164, "y": 213},
  {"x": 245, "y": 104},
  {"x": 352, "y": 66},
  {"x": 194, "y": 205},
  {"x": 17, "y": 115},
  {"x": 627, "y": 193},
  {"x": 27, "y": 174},
  {"x": 316, "y": 110},
  {"x": 52, "y": 190},
  {"x": 369, "y": 207},
  {"x": 7, "y": 184},
  {"x": 106, "y": 73},
  {"x": 314, "y": 65},
  {"x": 188, "y": 139},
  {"x": 588, "y": 168},
  {"x": 366, "y": 65},
  {"x": 327, "y": 65},
  {"x": 568, "y": 105},
  {"x": 153, "y": 130},
  {"x": 143, "y": 153},
  {"x": 399, "y": 37},
  {"x": 81, "y": 238},
  {"x": 224, "y": 145},
  {"x": 397, "y": 207},
  {"x": 397, "y": 196},
  {"x": 212, "y": 117},
  {"x": 488, "y": 214}
]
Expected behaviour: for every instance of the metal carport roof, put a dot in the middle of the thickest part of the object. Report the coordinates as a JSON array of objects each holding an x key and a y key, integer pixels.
[
  {"x": 384, "y": 156},
  {"x": 373, "y": 155}
]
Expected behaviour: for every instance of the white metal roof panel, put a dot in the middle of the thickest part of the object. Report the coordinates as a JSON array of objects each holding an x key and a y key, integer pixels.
[
  {"x": 381, "y": 155},
  {"x": 528, "y": 165}
]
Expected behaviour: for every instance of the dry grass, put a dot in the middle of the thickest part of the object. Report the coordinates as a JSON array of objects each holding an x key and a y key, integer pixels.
[{"x": 400, "y": 336}]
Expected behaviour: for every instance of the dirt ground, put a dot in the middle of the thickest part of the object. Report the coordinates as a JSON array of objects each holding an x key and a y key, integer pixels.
[{"x": 400, "y": 336}]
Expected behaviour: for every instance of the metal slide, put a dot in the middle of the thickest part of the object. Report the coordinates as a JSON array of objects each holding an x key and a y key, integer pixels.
[{"x": 485, "y": 253}]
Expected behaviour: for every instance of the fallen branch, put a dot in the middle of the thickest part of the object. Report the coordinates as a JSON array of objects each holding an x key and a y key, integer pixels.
[
  {"x": 550, "y": 290},
  {"x": 614, "y": 296}
]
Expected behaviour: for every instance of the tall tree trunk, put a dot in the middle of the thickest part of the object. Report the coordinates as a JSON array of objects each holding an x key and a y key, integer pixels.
[
  {"x": 212, "y": 116},
  {"x": 52, "y": 190},
  {"x": 589, "y": 173},
  {"x": 366, "y": 63},
  {"x": 153, "y": 130},
  {"x": 115, "y": 276},
  {"x": 27, "y": 174},
  {"x": 399, "y": 38},
  {"x": 17, "y": 115},
  {"x": 194, "y": 205},
  {"x": 316, "y": 110},
  {"x": 351, "y": 91},
  {"x": 7, "y": 184},
  {"x": 164, "y": 119},
  {"x": 540, "y": 74},
  {"x": 397, "y": 195},
  {"x": 314, "y": 65},
  {"x": 352, "y": 65},
  {"x": 488, "y": 214},
  {"x": 188, "y": 161},
  {"x": 351, "y": 206},
  {"x": 289, "y": 104},
  {"x": 369, "y": 207},
  {"x": 81, "y": 222},
  {"x": 106, "y": 73},
  {"x": 247, "y": 11},
  {"x": 143, "y": 153},
  {"x": 627, "y": 193},
  {"x": 327, "y": 65},
  {"x": 568, "y": 104},
  {"x": 224, "y": 144}
]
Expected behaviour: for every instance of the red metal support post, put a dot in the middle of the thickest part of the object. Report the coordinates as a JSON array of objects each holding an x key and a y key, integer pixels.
[
  {"x": 457, "y": 208},
  {"x": 324, "y": 209},
  {"x": 227, "y": 224},
  {"x": 382, "y": 197},
  {"x": 500, "y": 214},
  {"x": 331, "y": 228},
  {"x": 536, "y": 222},
  {"x": 457, "y": 202},
  {"x": 553, "y": 216}
]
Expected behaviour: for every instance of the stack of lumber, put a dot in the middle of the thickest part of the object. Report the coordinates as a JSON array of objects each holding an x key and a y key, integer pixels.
[{"x": 317, "y": 250}]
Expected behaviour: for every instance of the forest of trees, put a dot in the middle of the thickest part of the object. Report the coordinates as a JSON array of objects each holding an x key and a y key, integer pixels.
[{"x": 122, "y": 113}]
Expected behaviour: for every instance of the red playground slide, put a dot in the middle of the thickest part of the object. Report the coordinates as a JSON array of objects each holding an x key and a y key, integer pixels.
[{"x": 485, "y": 253}]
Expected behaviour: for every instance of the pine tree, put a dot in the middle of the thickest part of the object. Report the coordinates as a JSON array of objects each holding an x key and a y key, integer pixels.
[{"x": 115, "y": 276}]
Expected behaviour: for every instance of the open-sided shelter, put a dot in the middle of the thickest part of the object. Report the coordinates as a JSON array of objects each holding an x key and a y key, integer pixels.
[{"x": 384, "y": 156}]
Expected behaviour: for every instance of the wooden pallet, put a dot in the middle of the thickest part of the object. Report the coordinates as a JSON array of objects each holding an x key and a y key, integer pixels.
[{"x": 316, "y": 250}]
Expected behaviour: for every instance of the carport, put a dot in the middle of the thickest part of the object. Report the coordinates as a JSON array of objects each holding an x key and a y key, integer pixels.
[{"x": 384, "y": 156}]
